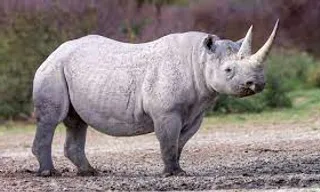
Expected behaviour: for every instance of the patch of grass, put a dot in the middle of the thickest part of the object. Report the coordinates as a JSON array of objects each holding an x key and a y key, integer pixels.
[
  {"x": 17, "y": 127},
  {"x": 305, "y": 105},
  {"x": 305, "y": 99}
]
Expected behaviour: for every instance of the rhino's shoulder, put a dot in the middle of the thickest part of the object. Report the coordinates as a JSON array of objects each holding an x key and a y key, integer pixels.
[{"x": 93, "y": 39}]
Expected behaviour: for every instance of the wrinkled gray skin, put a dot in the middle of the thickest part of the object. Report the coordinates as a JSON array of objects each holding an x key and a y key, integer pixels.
[{"x": 123, "y": 89}]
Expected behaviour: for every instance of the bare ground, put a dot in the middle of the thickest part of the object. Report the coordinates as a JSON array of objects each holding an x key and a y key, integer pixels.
[{"x": 265, "y": 156}]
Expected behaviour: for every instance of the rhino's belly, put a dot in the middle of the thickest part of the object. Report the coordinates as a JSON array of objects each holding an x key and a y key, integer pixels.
[
  {"x": 118, "y": 127},
  {"x": 113, "y": 118}
]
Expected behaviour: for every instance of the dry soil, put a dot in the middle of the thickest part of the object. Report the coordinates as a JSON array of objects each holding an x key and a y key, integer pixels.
[{"x": 233, "y": 157}]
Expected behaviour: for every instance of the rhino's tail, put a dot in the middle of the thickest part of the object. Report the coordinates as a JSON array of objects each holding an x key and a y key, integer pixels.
[{"x": 50, "y": 92}]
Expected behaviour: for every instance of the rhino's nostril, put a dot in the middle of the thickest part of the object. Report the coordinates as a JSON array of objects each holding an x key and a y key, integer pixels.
[{"x": 249, "y": 83}]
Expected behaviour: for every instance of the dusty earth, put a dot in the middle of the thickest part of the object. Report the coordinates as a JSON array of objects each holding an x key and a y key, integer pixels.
[{"x": 267, "y": 156}]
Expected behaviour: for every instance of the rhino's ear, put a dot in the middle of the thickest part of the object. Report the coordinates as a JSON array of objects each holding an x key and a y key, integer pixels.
[{"x": 209, "y": 43}]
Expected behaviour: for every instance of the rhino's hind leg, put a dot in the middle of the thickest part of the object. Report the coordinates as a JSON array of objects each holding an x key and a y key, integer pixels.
[
  {"x": 47, "y": 120},
  {"x": 42, "y": 148},
  {"x": 51, "y": 102},
  {"x": 75, "y": 143}
]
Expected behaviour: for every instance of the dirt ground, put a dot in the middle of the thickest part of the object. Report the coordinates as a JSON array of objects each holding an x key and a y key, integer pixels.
[{"x": 230, "y": 157}]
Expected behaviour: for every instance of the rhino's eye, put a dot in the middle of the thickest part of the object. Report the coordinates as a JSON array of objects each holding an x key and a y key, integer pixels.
[{"x": 228, "y": 70}]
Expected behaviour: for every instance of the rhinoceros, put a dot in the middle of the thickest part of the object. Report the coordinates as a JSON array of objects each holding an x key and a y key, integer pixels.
[{"x": 122, "y": 89}]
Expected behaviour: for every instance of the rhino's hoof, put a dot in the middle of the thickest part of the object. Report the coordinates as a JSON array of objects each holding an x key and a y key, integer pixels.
[
  {"x": 87, "y": 173},
  {"x": 48, "y": 173},
  {"x": 178, "y": 172}
]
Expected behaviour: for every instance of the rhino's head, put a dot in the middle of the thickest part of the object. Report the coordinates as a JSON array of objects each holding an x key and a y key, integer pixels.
[{"x": 231, "y": 68}]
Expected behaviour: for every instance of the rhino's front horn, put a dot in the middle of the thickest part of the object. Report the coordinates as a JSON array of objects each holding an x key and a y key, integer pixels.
[
  {"x": 245, "y": 49},
  {"x": 261, "y": 55}
]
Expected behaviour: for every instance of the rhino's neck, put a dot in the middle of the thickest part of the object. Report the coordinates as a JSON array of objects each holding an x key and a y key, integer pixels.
[{"x": 205, "y": 93}]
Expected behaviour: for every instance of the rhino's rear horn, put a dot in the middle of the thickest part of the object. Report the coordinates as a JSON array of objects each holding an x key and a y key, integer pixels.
[{"x": 246, "y": 46}]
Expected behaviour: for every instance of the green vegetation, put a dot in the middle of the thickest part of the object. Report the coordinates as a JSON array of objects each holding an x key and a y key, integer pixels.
[
  {"x": 305, "y": 107},
  {"x": 13, "y": 127},
  {"x": 25, "y": 42},
  {"x": 293, "y": 69}
]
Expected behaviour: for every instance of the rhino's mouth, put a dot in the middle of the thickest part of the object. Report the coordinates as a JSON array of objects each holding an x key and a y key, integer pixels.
[{"x": 246, "y": 92}]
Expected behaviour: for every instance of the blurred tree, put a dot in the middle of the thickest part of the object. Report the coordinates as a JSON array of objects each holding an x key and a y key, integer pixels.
[
  {"x": 26, "y": 40},
  {"x": 158, "y": 4}
]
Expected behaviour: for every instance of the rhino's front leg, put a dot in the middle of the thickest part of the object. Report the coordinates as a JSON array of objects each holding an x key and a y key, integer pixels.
[
  {"x": 187, "y": 132},
  {"x": 167, "y": 129}
]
